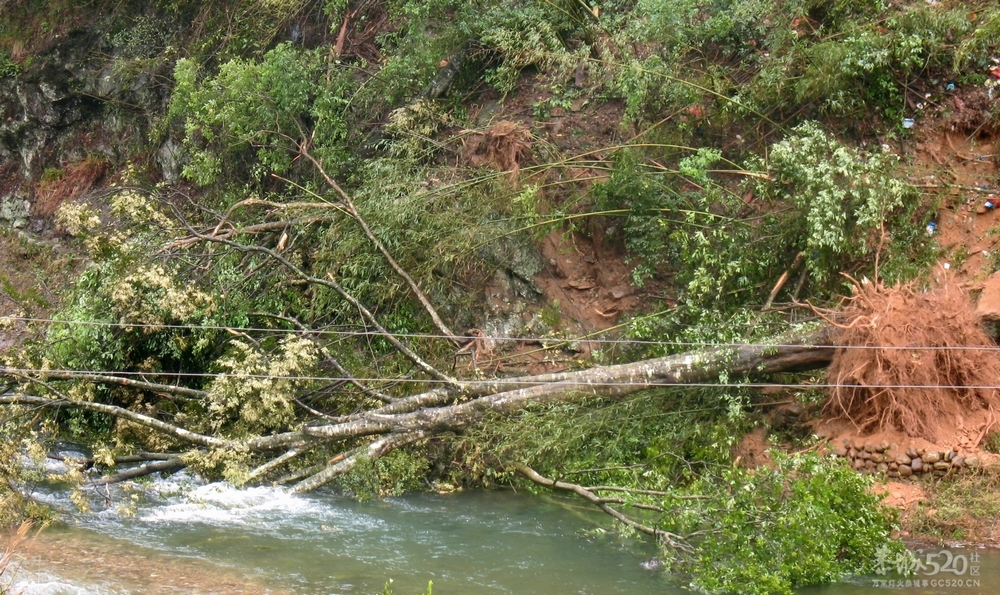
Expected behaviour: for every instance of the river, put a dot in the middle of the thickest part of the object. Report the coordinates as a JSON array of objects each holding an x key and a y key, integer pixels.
[{"x": 187, "y": 537}]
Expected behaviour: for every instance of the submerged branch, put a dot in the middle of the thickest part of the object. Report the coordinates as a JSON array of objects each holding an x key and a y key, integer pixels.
[
  {"x": 374, "y": 450},
  {"x": 670, "y": 539},
  {"x": 167, "y": 466}
]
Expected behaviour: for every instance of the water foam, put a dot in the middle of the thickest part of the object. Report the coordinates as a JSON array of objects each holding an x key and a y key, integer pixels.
[
  {"x": 223, "y": 504},
  {"x": 28, "y": 583}
]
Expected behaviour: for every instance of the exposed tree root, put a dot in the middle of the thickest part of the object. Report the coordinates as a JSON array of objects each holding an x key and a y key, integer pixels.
[{"x": 911, "y": 361}]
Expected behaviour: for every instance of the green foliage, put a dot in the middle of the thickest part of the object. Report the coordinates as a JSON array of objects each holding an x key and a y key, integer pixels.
[
  {"x": 849, "y": 202},
  {"x": 392, "y": 475},
  {"x": 695, "y": 234},
  {"x": 804, "y": 521},
  {"x": 530, "y": 34},
  {"x": 975, "y": 49},
  {"x": 8, "y": 68},
  {"x": 257, "y": 390},
  {"x": 268, "y": 106}
]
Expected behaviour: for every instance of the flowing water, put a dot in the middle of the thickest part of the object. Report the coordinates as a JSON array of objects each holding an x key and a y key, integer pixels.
[{"x": 186, "y": 537}]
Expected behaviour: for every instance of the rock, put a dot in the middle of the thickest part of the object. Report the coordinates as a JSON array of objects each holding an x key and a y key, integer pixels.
[
  {"x": 865, "y": 455},
  {"x": 852, "y": 453},
  {"x": 14, "y": 210},
  {"x": 858, "y": 444},
  {"x": 972, "y": 462},
  {"x": 942, "y": 466},
  {"x": 170, "y": 159},
  {"x": 911, "y": 453},
  {"x": 882, "y": 468},
  {"x": 869, "y": 464},
  {"x": 893, "y": 474},
  {"x": 878, "y": 458},
  {"x": 883, "y": 446},
  {"x": 904, "y": 459},
  {"x": 957, "y": 462},
  {"x": 920, "y": 452},
  {"x": 839, "y": 451},
  {"x": 917, "y": 465},
  {"x": 940, "y": 473},
  {"x": 869, "y": 447},
  {"x": 949, "y": 455},
  {"x": 858, "y": 464},
  {"x": 893, "y": 466},
  {"x": 905, "y": 471},
  {"x": 932, "y": 457}
]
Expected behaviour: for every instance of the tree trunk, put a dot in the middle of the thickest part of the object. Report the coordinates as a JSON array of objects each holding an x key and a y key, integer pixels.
[{"x": 463, "y": 404}]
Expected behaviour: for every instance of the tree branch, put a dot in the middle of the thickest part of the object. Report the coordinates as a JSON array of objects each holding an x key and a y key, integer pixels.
[
  {"x": 108, "y": 379},
  {"x": 122, "y": 413},
  {"x": 353, "y": 212},
  {"x": 671, "y": 539},
  {"x": 168, "y": 466},
  {"x": 374, "y": 450},
  {"x": 331, "y": 283}
]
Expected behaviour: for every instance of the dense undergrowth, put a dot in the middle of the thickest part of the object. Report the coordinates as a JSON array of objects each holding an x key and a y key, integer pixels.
[{"x": 748, "y": 143}]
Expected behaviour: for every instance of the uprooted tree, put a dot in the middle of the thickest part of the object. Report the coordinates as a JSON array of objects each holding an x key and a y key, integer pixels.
[{"x": 299, "y": 295}]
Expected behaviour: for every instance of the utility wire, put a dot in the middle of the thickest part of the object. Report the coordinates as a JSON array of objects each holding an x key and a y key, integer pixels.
[
  {"x": 509, "y": 381},
  {"x": 497, "y": 338}
]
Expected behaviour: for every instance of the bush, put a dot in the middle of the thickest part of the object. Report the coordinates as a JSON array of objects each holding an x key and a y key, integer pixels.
[{"x": 804, "y": 521}]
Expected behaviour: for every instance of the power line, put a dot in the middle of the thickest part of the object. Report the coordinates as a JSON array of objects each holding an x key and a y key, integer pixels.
[
  {"x": 505, "y": 381},
  {"x": 496, "y": 338}
]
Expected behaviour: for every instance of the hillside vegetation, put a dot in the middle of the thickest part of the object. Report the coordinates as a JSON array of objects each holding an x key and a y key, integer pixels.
[{"x": 358, "y": 242}]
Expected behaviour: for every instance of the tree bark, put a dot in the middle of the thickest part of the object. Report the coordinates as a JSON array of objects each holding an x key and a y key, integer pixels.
[{"x": 461, "y": 405}]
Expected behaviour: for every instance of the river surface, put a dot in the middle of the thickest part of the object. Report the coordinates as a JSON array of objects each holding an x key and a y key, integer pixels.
[{"x": 186, "y": 537}]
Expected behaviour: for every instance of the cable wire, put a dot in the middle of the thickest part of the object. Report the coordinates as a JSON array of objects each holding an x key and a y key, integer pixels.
[
  {"x": 502, "y": 381},
  {"x": 499, "y": 338}
]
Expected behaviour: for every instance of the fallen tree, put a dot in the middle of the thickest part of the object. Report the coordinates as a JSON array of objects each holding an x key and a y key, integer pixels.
[{"x": 456, "y": 406}]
